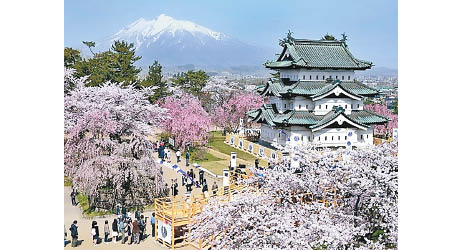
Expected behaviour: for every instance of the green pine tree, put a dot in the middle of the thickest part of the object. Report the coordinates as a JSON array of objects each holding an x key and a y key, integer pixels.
[
  {"x": 154, "y": 79},
  {"x": 71, "y": 57},
  {"x": 122, "y": 64},
  {"x": 192, "y": 81}
]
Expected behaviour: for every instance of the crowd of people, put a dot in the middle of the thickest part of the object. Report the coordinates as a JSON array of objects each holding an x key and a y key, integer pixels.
[{"x": 123, "y": 228}]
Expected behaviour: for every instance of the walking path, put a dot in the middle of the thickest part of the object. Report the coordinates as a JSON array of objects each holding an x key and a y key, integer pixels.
[{"x": 72, "y": 213}]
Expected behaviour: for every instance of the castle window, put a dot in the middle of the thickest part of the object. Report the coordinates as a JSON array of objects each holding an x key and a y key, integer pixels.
[
  {"x": 318, "y": 138},
  {"x": 302, "y": 138},
  {"x": 336, "y": 77},
  {"x": 319, "y": 106},
  {"x": 345, "y": 137},
  {"x": 325, "y": 138},
  {"x": 323, "y": 77},
  {"x": 346, "y": 106},
  {"x": 309, "y": 138},
  {"x": 332, "y": 138},
  {"x": 352, "y": 106},
  {"x": 306, "y": 106},
  {"x": 317, "y": 77},
  {"x": 339, "y": 138},
  {"x": 348, "y": 77},
  {"x": 303, "y": 77},
  {"x": 358, "y": 105},
  {"x": 362, "y": 137},
  {"x": 285, "y": 105},
  {"x": 367, "y": 136},
  {"x": 310, "y": 77},
  {"x": 299, "y": 106},
  {"x": 342, "y": 77},
  {"x": 326, "y": 106}
]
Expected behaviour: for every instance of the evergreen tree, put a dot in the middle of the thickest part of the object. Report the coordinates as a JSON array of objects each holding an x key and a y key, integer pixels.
[
  {"x": 154, "y": 79},
  {"x": 115, "y": 65},
  {"x": 192, "y": 81},
  {"x": 71, "y": 57},
  {"x": 122, "y": 64}
]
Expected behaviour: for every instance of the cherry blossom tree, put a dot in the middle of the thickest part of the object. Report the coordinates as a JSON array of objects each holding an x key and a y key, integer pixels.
[
  {"x": 188, "y": 123},
  {"x": 273, "y": 212},
  {"x": 216, "y": 92},
  {"x": 106, "y": 144},
  {"x": 382, "y": 109},
  {"x": 236, "y": 107}
]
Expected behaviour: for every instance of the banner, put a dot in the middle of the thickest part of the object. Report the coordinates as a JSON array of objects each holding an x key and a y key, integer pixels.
[{"x": 165, "y": 231}]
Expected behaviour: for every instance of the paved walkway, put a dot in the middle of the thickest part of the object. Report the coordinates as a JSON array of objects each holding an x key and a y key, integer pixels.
[{"x": 72, "y": 213}]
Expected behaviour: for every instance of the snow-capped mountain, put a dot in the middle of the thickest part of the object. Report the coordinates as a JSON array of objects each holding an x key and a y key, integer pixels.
[{"x": 178, "y": 42}]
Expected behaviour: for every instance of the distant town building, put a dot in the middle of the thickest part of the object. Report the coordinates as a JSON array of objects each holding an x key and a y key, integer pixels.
[{"x": 316, "y": 98}]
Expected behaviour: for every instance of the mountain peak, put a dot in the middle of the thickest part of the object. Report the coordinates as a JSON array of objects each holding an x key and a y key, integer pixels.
[{"x": 142, "y": 29}]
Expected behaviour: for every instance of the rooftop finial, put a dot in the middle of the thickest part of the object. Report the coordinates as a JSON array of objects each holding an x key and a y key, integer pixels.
[
  {"x": 289, "y": 39},
  {"x": 344, "y": 38}
]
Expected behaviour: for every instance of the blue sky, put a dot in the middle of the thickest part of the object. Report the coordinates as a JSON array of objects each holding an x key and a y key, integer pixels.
[{"x": 371, "y": 26}]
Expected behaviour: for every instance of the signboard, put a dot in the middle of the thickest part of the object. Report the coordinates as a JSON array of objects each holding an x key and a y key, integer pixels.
[
  {"x": 295, "y": 161},
  {"x": 165, "y": 231},
  {"x": 172, "y": 141},
  {"x": 395, "y": 133},
  {"x": 233, "y": 160},
  {"x": 226, "y": 178}
]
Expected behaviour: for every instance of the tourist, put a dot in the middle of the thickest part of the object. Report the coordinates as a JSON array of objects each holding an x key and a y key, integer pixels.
[
  {"x": 72, "y": 196},
  {"x": 122, "y": 229},
  {"x": 256, "y": 163},
  {"x": 187, "y": 159},
  {"x": 178, "y": 154},
  {"x": 137, "y": 214},
  {"x": 142, "y": 225},
  {"x": 74, "y": 233},
  {"x": 94, "y": 232},
  {"x": 215, "y": 188},
  {"x": 115, "y": 229},
  {"x": 118, "y": 209},
  {"x": 130, "y": 230},
  {"x": 183, "y": 180},
  {"x": 168, "y": 155},
  {"x": 106, "y": 230},
  {"x": 165, "y": 153},
  {"x": 124, "y": 212},
  {"x": 200, "y": 175},
  {"x": 136, "y": 230},
  {"x": 65, "y": 235},
  {"x": 205, "y": 189},
  {"x": 152, "y": 221}
]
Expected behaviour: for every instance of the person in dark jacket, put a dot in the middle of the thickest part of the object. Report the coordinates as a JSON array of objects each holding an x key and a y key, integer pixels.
[
  {"x": 137, "y": 214},
  {"x": 124, "y": 212},
  {"x": 187, "y": 158},
  {"x": 200, "y": 175},
  {"x": 95, "y": 232},
  {"x": 142, "y": 225},
  {"x": 72, "y": 196},
  {"x": 74, "y": 233},
  {"x": 115, "y": 229}
]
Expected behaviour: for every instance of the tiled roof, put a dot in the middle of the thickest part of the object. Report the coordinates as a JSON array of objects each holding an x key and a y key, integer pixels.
[
  {"x": 368, "y": 117},
  {"x": 318, "y": 54},
  {"x": 277, "y": 87},
  {"x": 269, "y": 114}
]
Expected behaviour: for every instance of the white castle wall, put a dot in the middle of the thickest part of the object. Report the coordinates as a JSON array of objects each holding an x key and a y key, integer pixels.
[
  {"x": 317, "y": 75},
  {"x": 328, "y": 137}
]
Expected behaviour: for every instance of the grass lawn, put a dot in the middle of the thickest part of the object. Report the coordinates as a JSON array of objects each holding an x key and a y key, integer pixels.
[
  {"x": 216, "y": 167},
  {"x": 67, "y": 182},
  {"x": 216, "y": 141},
  {"x": 206, "y": 158}
]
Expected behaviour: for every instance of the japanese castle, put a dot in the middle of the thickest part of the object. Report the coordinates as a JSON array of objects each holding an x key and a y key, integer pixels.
[{"x": 316, "y": 98}]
